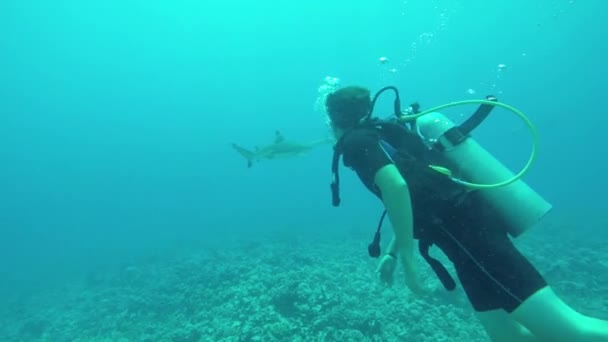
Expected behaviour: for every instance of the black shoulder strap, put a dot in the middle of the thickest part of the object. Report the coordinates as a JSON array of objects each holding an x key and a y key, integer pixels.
[{"x": 335, "y": 167}]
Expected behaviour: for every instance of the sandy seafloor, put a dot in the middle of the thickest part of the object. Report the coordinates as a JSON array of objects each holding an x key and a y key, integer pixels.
[{"x": 275, "y": 288}]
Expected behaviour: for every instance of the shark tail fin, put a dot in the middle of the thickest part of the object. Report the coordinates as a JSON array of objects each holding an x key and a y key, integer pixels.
[{"x": 249, "y": 155}]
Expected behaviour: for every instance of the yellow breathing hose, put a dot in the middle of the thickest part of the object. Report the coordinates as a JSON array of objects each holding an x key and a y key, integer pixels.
[{"x": 517, "y": 112}]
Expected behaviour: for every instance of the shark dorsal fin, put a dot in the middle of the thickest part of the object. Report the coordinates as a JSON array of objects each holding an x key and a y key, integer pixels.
[{"x": 278, "y": 137}]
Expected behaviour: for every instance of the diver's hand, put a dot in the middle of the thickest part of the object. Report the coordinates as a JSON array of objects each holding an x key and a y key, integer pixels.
[
  {"x": 412, "y": 278},
  {"x": 386, "y": 268}
]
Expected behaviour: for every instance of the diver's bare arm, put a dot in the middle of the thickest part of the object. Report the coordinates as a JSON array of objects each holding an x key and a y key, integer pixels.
[{"x": 396, "y": 198}]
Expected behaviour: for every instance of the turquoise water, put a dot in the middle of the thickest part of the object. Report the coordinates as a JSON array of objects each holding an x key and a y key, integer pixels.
[{"x": 121, "y": 199}]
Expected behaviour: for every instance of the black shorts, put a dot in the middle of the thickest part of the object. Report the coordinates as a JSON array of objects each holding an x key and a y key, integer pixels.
[{"x": 493, "y": 273}]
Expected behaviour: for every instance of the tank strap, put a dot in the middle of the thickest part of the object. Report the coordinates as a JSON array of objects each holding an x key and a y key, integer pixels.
[
  {"x": 440, "y": 270},
  {"x": 458, "y": 134}
]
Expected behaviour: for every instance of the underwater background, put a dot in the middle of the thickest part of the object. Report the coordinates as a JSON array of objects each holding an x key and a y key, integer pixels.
[{"x": 125, "y": 214}]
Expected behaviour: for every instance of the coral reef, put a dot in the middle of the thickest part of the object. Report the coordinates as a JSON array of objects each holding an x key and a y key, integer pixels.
[{"x": 275, "y": 290}]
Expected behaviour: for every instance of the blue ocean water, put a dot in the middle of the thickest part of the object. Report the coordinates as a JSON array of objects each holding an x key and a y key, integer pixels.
[{"x": 116, "y": 117}]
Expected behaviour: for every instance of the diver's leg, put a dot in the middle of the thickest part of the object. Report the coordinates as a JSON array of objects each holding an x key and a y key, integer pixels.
[
  {"x": 501, "y": 327},
  {"x": 485, "y": 267},
  {"x": 550, "y": 319}
]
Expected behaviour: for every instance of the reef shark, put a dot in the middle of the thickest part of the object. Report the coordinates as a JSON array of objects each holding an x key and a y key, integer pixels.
[{"x": 279, "y": 148}]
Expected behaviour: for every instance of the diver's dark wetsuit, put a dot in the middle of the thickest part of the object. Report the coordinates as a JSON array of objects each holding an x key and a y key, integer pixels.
[{"x": 493, "y": 273}]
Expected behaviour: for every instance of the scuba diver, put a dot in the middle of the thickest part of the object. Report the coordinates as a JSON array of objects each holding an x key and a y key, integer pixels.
[{"x": 407, "y": 161}]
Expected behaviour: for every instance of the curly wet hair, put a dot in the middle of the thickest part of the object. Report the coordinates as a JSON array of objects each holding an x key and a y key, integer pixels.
[{"x": 348, "y": 105}]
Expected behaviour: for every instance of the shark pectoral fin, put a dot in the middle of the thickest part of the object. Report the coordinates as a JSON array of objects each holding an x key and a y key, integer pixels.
[{"x": 324, "y": 141}]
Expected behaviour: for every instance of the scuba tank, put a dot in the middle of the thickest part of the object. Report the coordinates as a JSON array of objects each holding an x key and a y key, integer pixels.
[{"x": 517, "y": 204}]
